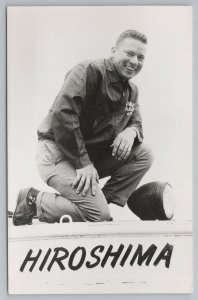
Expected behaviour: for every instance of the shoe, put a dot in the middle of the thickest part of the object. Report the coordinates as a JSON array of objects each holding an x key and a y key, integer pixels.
[{"x": 25, "y": 207}]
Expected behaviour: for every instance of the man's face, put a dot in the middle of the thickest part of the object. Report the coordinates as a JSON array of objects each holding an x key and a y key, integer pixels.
[{"x": 128, "y": 57}]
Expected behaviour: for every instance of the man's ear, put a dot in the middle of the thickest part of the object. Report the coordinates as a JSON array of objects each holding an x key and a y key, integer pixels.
[{"x": 113, "y": 50}]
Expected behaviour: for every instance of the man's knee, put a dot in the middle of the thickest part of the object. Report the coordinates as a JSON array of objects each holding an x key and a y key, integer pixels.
[
  {"x": 92, "y": 208},
  {"x": 148, "y": 155},
  {"x": 144, "y": 154}
]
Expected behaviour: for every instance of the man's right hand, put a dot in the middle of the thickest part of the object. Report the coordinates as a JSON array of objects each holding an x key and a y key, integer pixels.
[{"x": 86, "y": 177}]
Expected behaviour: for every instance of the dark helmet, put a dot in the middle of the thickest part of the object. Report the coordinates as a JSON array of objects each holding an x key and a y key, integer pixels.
[{"x": 152, "y": 201}]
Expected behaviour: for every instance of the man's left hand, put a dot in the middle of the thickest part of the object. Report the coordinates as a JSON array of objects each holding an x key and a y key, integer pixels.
[{"x": 123, "y": 143}]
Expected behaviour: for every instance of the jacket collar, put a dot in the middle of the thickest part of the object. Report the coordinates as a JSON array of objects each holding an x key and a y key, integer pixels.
[{"x": 112, "y": 72}]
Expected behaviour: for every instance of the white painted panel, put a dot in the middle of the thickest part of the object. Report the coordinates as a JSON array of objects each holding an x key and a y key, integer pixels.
[{"x": 151, "y": 278}]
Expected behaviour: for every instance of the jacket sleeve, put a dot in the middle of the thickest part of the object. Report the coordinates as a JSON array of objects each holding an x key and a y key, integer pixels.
[
  {"x": 135, "y": 120},
  {"x": 66, "y": 114}
]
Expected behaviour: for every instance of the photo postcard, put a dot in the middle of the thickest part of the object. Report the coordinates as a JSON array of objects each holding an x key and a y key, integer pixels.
[{"x": 99, "y": 149}]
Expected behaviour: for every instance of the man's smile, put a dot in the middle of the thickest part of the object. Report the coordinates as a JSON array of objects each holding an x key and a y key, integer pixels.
[{"x": 130, "y": 68}]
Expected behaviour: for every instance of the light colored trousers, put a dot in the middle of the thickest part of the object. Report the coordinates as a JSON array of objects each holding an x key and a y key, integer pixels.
[{"x": 59, "y": 174}]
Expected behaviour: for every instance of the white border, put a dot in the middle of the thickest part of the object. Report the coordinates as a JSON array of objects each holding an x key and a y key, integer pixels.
[{"x": 3, "y": 244}]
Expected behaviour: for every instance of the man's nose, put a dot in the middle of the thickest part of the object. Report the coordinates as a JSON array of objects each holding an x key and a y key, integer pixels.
[{"x": 134, "y": 60}]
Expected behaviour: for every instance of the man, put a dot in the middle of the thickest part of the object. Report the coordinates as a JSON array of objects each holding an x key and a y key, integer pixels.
[{"x": 93, "y": 130}]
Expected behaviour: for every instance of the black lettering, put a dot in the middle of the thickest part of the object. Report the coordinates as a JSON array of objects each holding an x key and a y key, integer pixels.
[
  {"x": 165, "y": 254},
  {"x": 115, "y": 255},
  {"x": 148, "y": 255},
  {"x": 58, "y": 259},
  {"x": 126, "y": 255},
  {"x": 29, "y": 258},
  {"x": 45, "y": 259},
  {"x": 88, "y": 263},
  {"x": 82, "y": 259}
]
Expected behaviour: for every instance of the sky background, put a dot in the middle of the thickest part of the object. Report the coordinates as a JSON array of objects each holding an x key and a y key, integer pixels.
[{"x": 43, "y": 43}]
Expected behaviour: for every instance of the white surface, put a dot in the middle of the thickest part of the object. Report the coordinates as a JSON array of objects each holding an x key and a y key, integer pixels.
[
  {"x": 120, "y": 279},
  {"x": 39, "y": 230}
]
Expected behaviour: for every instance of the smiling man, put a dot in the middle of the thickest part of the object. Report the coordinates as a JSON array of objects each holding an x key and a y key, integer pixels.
[
  {"x": 128, "y": 55},
  {"x": 92, "y": 130}
]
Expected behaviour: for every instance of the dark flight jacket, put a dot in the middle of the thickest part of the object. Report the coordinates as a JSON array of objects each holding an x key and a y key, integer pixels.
[{"x": 92, "y": 107}]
